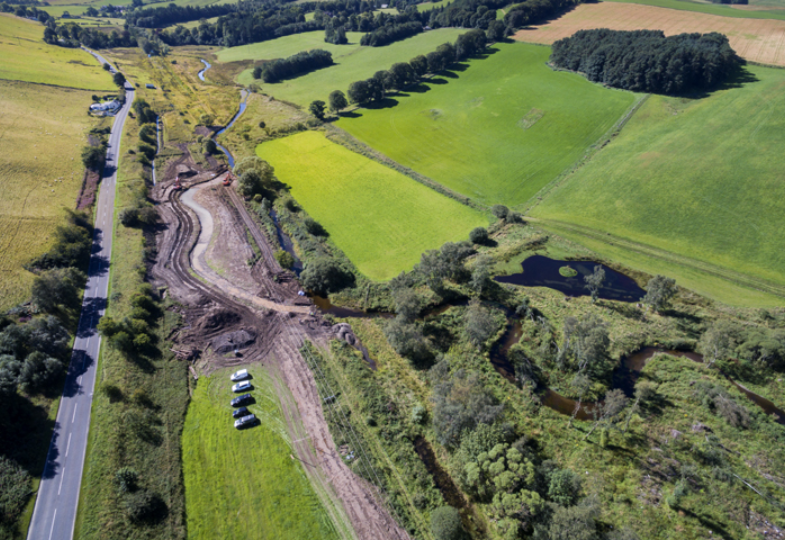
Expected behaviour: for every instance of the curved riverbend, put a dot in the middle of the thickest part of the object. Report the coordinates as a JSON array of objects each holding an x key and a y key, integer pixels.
[{"x": 206, "y": 67}]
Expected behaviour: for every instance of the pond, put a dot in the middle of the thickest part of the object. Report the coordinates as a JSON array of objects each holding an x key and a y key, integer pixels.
[{"x": 541, "y": 271}]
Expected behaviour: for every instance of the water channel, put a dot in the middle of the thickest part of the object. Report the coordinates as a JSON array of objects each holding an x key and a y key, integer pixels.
[{"x": 206, "y": 67}]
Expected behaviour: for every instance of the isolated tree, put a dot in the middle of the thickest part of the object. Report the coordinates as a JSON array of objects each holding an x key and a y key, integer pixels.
[
  {"x": 106, "y": 66},
  {"x": 93, "y": 157},
  {"x": 206, "y": 119},
  {"x": 479, "y": 235},
  {"x": 255, "y": 175},
  {"x": 119, "y": 79},
  {"x": 659, "y": 292},
  {"x": 317, "y": 108},
  {"x": 715, "y": 343},
  {"x": 338, "y": 101},
  {"x": 446, "y": 523},
  {"x": 500, "y": 211},
  {"x": 594, "y": 282},
  {"x": 324, "y": 275}
]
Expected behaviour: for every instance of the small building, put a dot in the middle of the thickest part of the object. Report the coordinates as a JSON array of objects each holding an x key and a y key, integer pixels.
[{"x": 150, "y": 86}]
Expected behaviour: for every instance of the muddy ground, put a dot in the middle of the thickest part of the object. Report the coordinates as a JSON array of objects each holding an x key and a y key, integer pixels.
[{"x": 203, "y": 251}]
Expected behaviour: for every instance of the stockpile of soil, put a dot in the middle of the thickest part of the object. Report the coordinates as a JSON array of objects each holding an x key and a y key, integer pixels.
[{"x": 233, "y": 341}]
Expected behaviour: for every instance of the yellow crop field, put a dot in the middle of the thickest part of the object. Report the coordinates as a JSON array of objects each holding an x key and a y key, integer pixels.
[
  {"x": 43, "y": 130},
  {"x": 25, "y": 57}
]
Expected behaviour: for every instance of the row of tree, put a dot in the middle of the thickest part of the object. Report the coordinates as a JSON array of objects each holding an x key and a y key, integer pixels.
[
  {"x": 647, "y": 61},
  {"x": 295, "y": 65},
  {"x": 402, "y": 74},
  {"x": 390, "y": 34},
  {"x": 73, "y": 35}
]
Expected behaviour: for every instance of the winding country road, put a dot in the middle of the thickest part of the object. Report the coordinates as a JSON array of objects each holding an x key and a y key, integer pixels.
[{"x": 54, "y": 515}]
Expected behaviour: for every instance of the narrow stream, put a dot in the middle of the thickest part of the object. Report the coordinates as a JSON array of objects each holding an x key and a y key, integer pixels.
[
  {"x": 229, "y": 156},
  {"x": 206, "y": 67}
]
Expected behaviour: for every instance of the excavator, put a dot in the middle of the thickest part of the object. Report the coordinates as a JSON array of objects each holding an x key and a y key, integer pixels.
[
  {"x": 228, "y": 180},
  {"x": 177, "y": 184}
]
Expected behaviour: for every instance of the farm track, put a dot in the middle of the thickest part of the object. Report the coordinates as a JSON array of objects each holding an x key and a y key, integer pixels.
[{"x": 282, "y": 334}]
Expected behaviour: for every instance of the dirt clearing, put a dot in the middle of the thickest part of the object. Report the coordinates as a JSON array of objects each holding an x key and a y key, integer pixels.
[{"x": 756, "y": 40}]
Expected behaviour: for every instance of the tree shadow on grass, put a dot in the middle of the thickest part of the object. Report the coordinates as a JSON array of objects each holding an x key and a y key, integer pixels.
[{"x": 386, "y": 103}]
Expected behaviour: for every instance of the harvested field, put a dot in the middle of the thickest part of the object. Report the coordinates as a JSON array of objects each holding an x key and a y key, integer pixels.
[
  {"x": 25, "y": 57},
  {"x": 756, "y": 40},
  {"x": 380, "y": 218},
  {"x": 43, "y": 130},
  {"x": 756, "y": 9}
]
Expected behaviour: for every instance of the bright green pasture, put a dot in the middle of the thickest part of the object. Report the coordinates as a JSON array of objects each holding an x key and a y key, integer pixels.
[
  {"x": 380, "y": 218},
  {"x": 719, "y": 9},
  {"x": 245, "y": 484},
  {"x": 700, "y": 178},
  {"x": 497, "y": 131},
  {"x": 353, "y": 62},
  {"x": 25, "y": 57}
]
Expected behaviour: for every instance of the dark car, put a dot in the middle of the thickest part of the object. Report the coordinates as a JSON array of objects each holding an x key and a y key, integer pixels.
[
  {"x": 241, "y": 400},
  {"x": 237, "y": 413}
]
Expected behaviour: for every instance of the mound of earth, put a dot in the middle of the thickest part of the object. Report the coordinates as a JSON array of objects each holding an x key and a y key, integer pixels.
[
  {"x": 218, "y": 319},
  {"x": 233, "y": 341}
]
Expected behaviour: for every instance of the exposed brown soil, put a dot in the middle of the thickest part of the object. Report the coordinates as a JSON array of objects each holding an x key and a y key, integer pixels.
[
  {"x": 262, "y": 302},
  {"x": 757, "y": 40},
  {"x": 89, "y": 190}
]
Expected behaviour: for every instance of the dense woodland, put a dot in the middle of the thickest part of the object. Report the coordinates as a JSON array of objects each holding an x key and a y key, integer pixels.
[
  {"x": 295, "y": 65},
  {"x": 164, "y": 16},
  {"x": 647, "y": 61}
]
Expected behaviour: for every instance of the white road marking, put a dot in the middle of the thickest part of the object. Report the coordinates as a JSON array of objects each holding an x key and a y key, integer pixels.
[
  {"x": 62, "y": 476},
  {"x": 53, "y": 525},
  {"x": 74, "y": 416},
  {"x": 68, "y": 446}
]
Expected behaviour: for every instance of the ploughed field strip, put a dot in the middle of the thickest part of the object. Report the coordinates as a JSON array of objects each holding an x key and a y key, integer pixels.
[
  {"x": 756, "y": 40},
  {"x": 497, "y": 129},
  {"x": 380, "y": 218}
]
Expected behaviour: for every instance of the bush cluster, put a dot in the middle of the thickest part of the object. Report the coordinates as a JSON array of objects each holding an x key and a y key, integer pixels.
[
  {"x": 390, "y": 34},
  {"x": 295, "y": 65},
  {"x": 132, "y": 335}
]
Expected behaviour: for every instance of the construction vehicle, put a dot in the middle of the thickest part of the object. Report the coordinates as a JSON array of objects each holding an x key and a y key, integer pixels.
[
  {"x": 177, "y": 184},
  {"x": 228, "y": 180}
]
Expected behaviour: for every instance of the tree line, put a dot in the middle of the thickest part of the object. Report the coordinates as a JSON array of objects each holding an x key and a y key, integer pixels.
[
  {"x": 647, "y": 61},
  {"x": 293, "y": 66},
  {"x": 73, "y": 35},
  {"x": 402, "y": 74},
  {"x": 390, "y": 34},
  {"x": 172, "y": 14}
]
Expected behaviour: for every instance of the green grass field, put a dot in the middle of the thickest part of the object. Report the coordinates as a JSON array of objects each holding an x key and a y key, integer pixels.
[
  {"x": 497, "y": 131},
  {"x": 353, "y": 62},
  {"x": 245, "y": 484},
  {"x": 701, "y": 179},
  {"x": 719, "y": 9},
  {"x": 43, "y": 130},
  {"x": 380, "y": 218},
  {"x": 25, "y": 57}
]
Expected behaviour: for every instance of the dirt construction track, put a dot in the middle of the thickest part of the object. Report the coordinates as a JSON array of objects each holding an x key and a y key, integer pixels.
[
  {"x": 266, "y": 307},
  {"x": 756, "y": 40}
]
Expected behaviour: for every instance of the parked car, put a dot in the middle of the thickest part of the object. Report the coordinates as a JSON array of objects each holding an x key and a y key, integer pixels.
[
  {"x": 241, "y": 400},
  {"x": 242, "y": 411},
  {"x": 241, "y": 387},
  {"x": 245, "y": 421},
  {"x": 239, "y": 375}
]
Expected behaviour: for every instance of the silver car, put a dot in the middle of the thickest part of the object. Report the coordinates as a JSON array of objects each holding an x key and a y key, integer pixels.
[
  {"x": 239, "y": 375},
  {"x": 245, "y": 421},
  {"x": 241, "y": 387}
]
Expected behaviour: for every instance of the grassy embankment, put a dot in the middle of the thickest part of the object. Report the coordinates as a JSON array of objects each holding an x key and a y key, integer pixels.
[
  {"x": 689, "y": 188},
  {"x": 245, "y": 484},
  {"x": 378, "y": 217},
  {"x": 353, "y": 63},
  {"x": 495, "y": 130},
  {"x": 44, "y": 129}
]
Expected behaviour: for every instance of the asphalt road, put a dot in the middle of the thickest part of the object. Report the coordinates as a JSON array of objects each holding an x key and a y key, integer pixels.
[{"x": 58, "y": 494}]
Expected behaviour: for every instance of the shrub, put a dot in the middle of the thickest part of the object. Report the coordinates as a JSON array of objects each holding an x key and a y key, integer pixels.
[
  {"x": 129, "y": 217},
  {"x": 314, "y": 227},
  {"x": 126, "y": 479},
  {"x": 446, "y": 524},
  {"x": 93, "y": 157},
  {"x": 479, "y": 235},
  {"x": 58, "y": 288},
  {"x": 145, "y": 506},
  {"x": 39, "y": 372},
  {"x": 284, "y": 258},
  {"x": 324, "y": 275},
  {"x": 14, "y": 490},
  {"x": 112, "y": 392}
]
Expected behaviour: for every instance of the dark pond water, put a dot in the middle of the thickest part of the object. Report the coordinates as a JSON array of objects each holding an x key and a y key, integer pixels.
[{"x": 541, "y": 271}]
